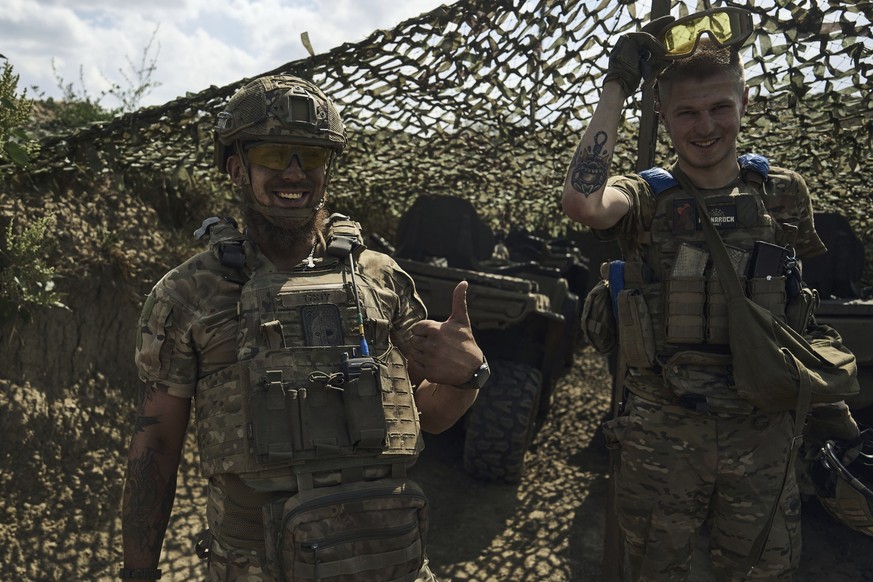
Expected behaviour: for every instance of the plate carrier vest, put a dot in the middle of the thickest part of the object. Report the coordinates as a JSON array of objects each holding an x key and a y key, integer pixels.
[
  {"x": 305, "y": 392},
  {"x": 689, "y": 312}
]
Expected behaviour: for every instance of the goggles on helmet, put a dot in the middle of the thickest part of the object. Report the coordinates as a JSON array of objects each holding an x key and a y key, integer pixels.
[
  {"x": 726, "y": 26},
  {"x": 278, "y": 156}
]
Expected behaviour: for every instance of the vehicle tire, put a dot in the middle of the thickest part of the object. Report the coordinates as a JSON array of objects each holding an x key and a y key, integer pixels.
[{"x": 500, "y": 425}]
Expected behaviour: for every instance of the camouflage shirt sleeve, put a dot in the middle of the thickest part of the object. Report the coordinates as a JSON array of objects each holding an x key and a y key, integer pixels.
[
  {"x": 400, "y": 301},
  {"x": 188, "y": 328},
  {"x": 628, "y": 229},
  {"x": 789, "y": 202}
]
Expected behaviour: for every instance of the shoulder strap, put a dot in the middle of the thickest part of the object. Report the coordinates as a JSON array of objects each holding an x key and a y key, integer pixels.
[
  {"x": 754, "y": 168},
  {"x": 225, "y": 240},
  {"x": 344, "y": 236}
]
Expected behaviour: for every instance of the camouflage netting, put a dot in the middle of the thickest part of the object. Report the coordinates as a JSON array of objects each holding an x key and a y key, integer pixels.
[{"x": 486, "y": 100}]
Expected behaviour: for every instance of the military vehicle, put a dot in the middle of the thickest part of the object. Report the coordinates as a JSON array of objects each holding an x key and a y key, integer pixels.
[
  {"x": 844, "y": 304},
  {"x": 523, "y": 314}
]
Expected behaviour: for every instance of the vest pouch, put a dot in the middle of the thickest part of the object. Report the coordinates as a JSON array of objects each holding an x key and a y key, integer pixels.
[
  {"x": 598, "y": 320},
  {"x": 636, "y": 334},
  {"x": 716, "y": 312},
  {"x": 799, "y": 311},
  {"x": 684, "y": 319},
  {"x": 322, "y": 419},
  {"x": 769, "y": 293},
  {"x": 363, "y": 530},
  {"x": 704, "y": 379},
  {"x": 275, "y": 419},
  {"x": 362, "y": 402}
]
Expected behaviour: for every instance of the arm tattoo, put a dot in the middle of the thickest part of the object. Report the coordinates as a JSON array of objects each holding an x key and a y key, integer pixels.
[
  {"x": 143, "y": 421},
  {"x": 590, "y": 166},
  {"x": 148, "y": 503}
]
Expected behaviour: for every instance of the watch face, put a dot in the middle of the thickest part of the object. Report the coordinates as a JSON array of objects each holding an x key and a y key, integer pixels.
[{"x": 482, "y": 374}]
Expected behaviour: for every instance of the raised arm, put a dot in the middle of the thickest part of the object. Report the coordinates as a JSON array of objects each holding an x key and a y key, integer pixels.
[
  {"x": 150, "y": 487},
  {"x": 586, "y": 198}
]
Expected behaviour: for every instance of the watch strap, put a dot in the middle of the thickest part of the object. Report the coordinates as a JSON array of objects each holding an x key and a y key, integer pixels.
[{"x": 480, "y": 376}]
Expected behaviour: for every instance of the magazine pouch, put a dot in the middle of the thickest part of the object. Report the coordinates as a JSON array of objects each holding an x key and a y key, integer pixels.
[
  {"x": 635, "y": 329},
  {"x": 685, "y": 310}
]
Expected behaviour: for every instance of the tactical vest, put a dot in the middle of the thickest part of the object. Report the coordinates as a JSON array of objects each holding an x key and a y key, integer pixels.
[
  {"x": 679, "y": 303},
  {"x": 317, "y": 386}
]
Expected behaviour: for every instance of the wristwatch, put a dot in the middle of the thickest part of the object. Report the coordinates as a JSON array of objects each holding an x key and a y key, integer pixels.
[{"x": 480, "y": 376}]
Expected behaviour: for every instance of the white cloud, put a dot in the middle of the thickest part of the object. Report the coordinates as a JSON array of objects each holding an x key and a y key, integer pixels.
[{"x": 198, "y": 43}]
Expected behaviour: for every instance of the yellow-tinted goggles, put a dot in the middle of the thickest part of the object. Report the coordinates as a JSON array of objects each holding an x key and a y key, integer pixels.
[
  {"x": 726, "y": 26},
  {"x": 278, "y": 156}
]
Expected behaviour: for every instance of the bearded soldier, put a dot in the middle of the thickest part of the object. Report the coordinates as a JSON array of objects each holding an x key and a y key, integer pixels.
[{"x": 311, "y": 367}]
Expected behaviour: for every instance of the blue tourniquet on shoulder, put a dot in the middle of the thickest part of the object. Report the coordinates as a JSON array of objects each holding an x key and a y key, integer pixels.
[
  {"x": 659, "y": 179},
  {"x": 756, "y": 163}
]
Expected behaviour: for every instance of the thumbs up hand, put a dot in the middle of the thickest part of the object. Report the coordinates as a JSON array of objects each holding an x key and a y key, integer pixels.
[{"x": 445, "y": 352}]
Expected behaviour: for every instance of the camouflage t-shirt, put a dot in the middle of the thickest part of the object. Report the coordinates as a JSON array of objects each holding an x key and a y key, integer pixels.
[{"x": 189, "y": 325}]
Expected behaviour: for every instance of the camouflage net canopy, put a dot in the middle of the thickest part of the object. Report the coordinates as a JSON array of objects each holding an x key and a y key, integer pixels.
[{"x": 486, "y": 100}]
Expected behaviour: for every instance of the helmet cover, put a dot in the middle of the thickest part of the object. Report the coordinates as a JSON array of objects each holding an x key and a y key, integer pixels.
[{"x": 278, "y": 108}]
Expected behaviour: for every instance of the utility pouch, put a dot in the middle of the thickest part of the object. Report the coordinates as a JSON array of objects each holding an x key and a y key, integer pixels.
[
  {"x": 769, "y": 293},
  {"x": 598, "y": 320},
  {"x": 771, "y": 361},
  {"x": 799, "y": 311},
  {"x": 684, "y": 317},
  {"x": 363, "y": 530},
  {"x": 636, "y": 333}
]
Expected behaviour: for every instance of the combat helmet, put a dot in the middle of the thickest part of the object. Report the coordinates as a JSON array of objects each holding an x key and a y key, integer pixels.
[
  {"x": 283, "y": 109},
  {"x": 843, "y": 487}
]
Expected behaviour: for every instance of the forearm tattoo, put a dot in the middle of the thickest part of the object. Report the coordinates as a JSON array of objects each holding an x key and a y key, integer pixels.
[
  {"x": 148, "y": 501},
  {"x": 590, "y": 166},
  {"x": 148, "y": 494}
]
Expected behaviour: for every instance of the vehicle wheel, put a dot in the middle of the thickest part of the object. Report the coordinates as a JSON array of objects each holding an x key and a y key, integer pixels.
[{"x": 500, "y": 425}]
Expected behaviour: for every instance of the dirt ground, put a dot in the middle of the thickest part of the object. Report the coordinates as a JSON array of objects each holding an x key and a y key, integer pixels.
[
  {"x": 548, "y": 528},
  {"x": 63, "y": 468}
]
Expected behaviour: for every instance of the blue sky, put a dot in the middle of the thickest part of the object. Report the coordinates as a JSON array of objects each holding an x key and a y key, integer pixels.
[{"x": 197, "y": 43}]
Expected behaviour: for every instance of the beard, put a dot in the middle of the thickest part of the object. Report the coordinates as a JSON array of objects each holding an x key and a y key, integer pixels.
[{"x": 295, "y": 234}]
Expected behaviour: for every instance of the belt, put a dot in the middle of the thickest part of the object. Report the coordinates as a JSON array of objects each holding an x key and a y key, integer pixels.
[{"x": 699, "y": 403}]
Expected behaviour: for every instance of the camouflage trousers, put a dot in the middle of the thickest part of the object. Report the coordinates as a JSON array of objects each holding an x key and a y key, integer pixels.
[
  {"x": 680, "y": 469},
  {"x": 229, "y": 565}
]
